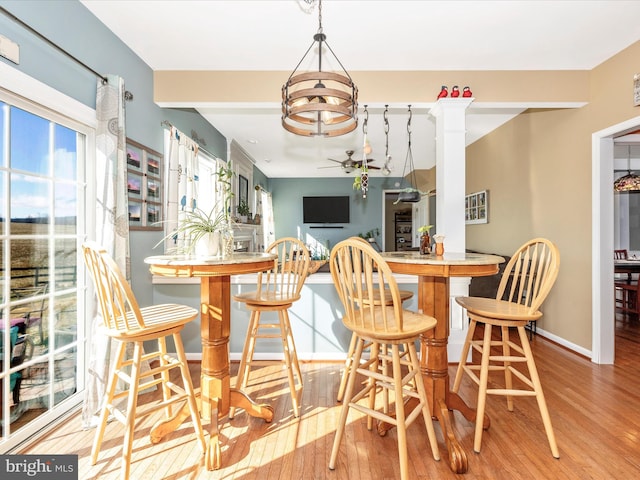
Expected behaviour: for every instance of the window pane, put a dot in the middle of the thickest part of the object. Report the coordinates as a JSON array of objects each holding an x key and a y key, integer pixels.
[
  {"x": 3, "y": 211},
  {"x": 65, "y": 153},
  {"x": 29, "y": 142},
  {"x": 66, "y": 263},
  {"x": 3, "y": 110},
  {"x": 66, "y": 208},
  {"x": 29, "y": 199},
  {"x": 29, "y": 262}
]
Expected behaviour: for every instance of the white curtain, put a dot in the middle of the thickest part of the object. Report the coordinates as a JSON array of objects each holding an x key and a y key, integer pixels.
[
  {"x": 112, "y": 225},
  {"x": 182, "y": 185},
  {"x": 269, "y": 229}
]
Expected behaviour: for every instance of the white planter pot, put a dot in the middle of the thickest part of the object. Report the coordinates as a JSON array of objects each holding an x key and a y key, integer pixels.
[{"x": 209, "y": 245}]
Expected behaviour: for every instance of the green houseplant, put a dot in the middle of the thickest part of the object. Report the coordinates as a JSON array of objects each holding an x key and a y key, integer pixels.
[
  {"x": 243, "y": 211},
  {"x": 203, "y": 229},
  {"x": 208, "y": 233}
]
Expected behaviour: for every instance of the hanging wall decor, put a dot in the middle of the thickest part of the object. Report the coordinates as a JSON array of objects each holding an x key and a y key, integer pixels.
[{"x": 144, "y": 187}]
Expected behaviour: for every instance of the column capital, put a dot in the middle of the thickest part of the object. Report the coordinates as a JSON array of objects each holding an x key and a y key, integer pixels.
[{"x": 445, "y": 104}]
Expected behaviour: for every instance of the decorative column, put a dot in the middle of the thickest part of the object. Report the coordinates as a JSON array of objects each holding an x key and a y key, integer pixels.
[{"x": 450, "y": 115}]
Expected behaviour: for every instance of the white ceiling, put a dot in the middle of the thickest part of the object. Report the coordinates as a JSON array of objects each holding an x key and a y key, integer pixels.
[{"x": 366, "y": 35}]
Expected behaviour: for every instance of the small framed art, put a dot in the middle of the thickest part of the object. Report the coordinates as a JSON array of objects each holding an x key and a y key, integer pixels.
[
  {"x": 476, "y": 207},
  {"x": 144, "y": 187}
]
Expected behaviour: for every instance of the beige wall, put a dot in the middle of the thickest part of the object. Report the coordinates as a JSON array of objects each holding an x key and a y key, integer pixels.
[
  {"x": 537, "y": 169},
  {"x": 199, "y": 87}
]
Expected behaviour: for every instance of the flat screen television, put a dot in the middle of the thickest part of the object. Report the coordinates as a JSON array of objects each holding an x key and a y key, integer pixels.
[{"x": 325, "y": 209}]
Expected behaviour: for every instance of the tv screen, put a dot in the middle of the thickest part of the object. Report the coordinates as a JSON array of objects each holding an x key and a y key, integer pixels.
[{"x": 325, "y": 209}]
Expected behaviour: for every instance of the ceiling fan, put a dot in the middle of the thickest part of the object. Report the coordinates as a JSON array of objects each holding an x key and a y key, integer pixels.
[{"x": 349, "y": 165}]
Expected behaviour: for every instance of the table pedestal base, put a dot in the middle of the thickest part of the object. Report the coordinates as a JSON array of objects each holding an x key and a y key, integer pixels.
[{"x": 238, "y": 399}]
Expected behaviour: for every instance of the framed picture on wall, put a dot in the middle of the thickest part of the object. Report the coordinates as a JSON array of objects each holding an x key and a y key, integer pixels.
[
  {"x": 144, "y": 187},
  {"x": 243, "y": 189},
  {"x": 476, "y": 207}
]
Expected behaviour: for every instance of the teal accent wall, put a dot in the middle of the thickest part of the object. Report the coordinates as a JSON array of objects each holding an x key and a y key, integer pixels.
[{"x": 365, "y": 214}]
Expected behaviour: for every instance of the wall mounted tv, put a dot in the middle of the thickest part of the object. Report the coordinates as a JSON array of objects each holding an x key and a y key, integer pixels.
[{"x": 325, "y": 209}]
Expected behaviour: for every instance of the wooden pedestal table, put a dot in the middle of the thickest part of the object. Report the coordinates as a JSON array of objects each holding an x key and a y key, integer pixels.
[
  {"x": 216, "y": 395},
  {"x": 433, "y": 299}
]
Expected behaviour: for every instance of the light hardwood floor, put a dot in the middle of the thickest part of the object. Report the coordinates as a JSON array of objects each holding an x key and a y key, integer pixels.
[{"x": 595, "y": 410}]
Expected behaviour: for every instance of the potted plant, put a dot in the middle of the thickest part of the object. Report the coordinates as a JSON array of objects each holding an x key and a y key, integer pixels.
[
  {"x": 203, "y": 230},
  {"x": 371, "y": 235},
  {"x": 425, "y": 240},
  {"x": 207, "y": 233},
  {"x": 243, "y": 211}
]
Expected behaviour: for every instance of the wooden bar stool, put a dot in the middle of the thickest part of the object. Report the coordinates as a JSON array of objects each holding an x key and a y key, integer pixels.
[
  {"x": 525, "y": 283},
  {"x": 276, "y": 291},
  {"x": 126, "y": 323},
  {"x": 388, "y": 300},
  {"x": 359, "y": 274}
]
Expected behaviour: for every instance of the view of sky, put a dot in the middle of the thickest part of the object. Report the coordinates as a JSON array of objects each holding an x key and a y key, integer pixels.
[{"x": 37, "y": 151}]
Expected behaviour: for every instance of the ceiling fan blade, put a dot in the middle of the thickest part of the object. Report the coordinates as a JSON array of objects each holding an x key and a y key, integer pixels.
[
  {"x": 332, "y": 166},
  {"x": 359, "y": 163},
  {"x": 332, "y": 160}
]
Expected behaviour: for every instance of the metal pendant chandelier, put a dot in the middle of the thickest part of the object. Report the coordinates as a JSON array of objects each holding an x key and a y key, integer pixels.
[
  {"x": 630, "y": 182},
  {"x": 319, "y": 103}
]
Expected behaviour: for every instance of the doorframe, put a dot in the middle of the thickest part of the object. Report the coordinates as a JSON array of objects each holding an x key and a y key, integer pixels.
[
  {"x": 602, "y": 239},
  {"x": 384, "y": 215}
]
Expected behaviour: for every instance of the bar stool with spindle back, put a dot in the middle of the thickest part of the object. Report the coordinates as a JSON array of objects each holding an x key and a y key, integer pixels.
[
  {"x": 525, "y": 283},
  {"x": 127, "y": 323},
  {"x": 277, "y": 290},
  {"x": 359, "y": 274}
]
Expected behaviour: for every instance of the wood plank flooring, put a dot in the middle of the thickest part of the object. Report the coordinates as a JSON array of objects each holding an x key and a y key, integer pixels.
[{"x": 595, "y": 410}]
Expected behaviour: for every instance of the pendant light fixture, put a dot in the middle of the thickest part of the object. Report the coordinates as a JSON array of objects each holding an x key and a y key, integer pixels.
[
  {"x": 630, "y": 182},
  {"x": 319, "y": 103},
  {"x": 410, "y": 194}
]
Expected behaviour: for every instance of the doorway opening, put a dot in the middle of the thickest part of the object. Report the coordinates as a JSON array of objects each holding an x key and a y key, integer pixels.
[
  {"x": 603, "y": 313},
  {"x": 400, "y": 221}
]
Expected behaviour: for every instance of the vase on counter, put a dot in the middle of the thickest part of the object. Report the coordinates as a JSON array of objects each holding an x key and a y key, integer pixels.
[
  {"x": 425, "y": 244},
  {"x": 208, "y": 245},
  {"x": 439, "y": 239},
  {"x": 226, "y": 236}
]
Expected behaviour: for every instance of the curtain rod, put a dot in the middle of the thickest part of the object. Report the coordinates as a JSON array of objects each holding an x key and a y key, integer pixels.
[
  {"x": 167, "y": 124},
  {"x": 60, "y": 49}
]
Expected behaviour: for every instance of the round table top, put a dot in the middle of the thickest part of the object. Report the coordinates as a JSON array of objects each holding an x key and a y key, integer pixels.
[
  {"x": 201, "y": 266},
  {"x": 451, "y": 264}
]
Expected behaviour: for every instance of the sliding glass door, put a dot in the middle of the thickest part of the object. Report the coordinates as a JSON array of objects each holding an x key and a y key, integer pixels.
[{"x": 42, "y": 223}]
